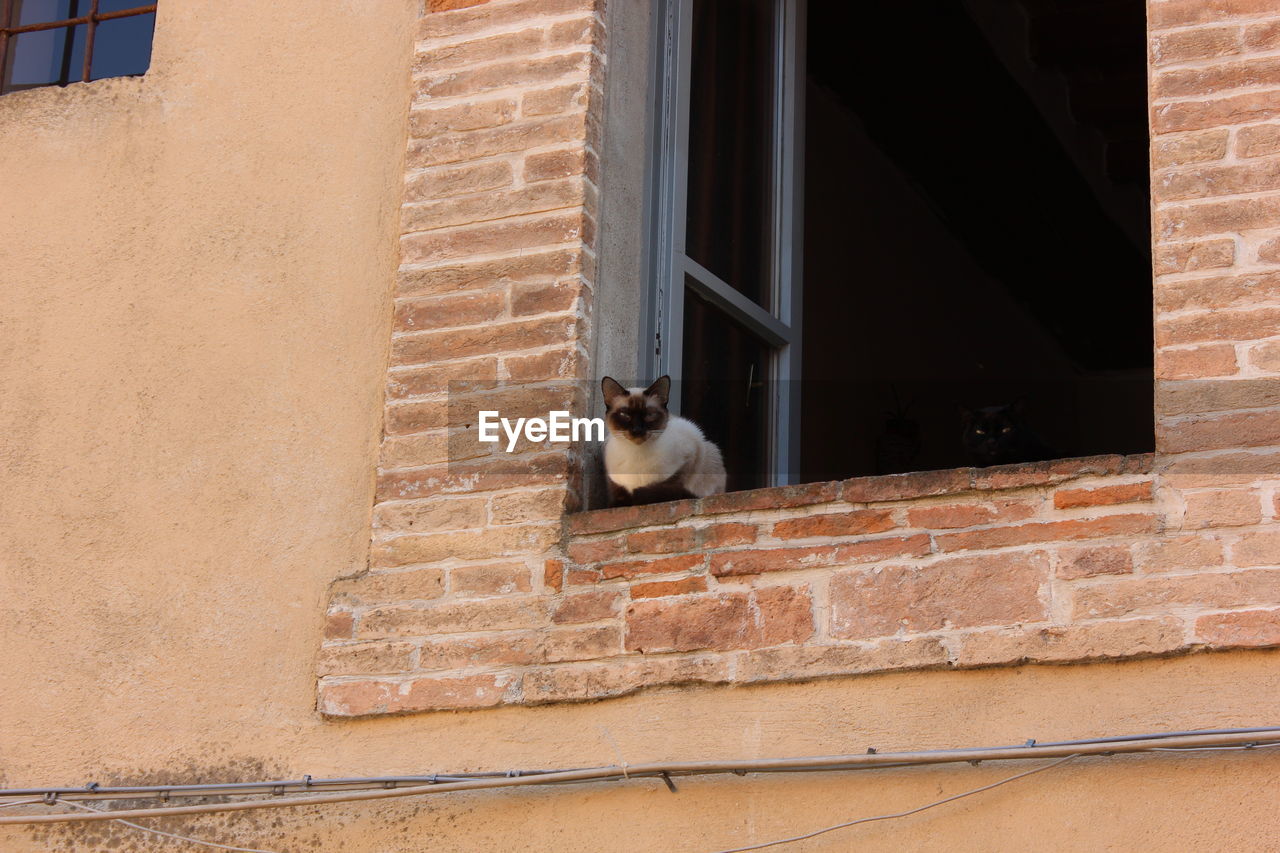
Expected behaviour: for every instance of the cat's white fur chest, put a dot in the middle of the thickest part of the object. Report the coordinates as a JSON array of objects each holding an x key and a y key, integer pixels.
[{"x": 680, "y": 446}]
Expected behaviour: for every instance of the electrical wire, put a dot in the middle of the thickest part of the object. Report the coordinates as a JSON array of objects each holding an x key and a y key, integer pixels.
[
  {"x": 761, "y": 846},
  {"x": 163, "y": 833},
  {"x": 1212, "y": 748},
  {"x": 309, "y": 784},
  {"x": 907, "y": 813},
  {"x": 1243, "y": 739},
  {"x": 20, "y": 803}
]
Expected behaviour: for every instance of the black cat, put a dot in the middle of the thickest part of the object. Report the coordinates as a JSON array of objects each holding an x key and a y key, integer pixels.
[{"x": 998, "y": 435}]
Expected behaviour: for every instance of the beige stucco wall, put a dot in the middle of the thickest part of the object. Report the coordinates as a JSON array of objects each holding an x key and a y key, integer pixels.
[
  {"x": 194, "y": 318},
  {"x": 1205, "y": 801},
  {"x": 193, "y": 323}
]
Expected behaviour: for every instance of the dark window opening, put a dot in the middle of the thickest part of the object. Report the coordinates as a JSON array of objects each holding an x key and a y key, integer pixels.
[
  {"x": 58, "y": 42},
  {"x": 973, "y": 190},
  {"x": 976, "y": 230}
]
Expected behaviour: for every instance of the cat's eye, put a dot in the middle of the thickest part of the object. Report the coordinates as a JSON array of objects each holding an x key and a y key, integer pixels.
[
  {"x": 650, "y": 417},
  {"x": 1006, "y": 429},
  {"x": 624, "y": 417},
  {"x": 979, "y": 432}
]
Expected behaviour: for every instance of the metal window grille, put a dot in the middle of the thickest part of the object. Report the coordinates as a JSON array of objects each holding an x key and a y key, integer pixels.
[{"x": 94, "y": 14}]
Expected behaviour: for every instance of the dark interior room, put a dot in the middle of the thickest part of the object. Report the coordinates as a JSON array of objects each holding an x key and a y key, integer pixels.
[{"x": 976, "y": 230}]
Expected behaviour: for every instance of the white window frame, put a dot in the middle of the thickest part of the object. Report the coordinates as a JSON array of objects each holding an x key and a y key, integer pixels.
[{"x": 663, "y": 338}]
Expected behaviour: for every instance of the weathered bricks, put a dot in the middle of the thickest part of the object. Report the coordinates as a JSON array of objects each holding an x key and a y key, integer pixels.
[
  {"x": 1217, "y": 325},
  {"x": 468, "y": 544},
  {"x": 601, "y": 679},
  {"x": 1221, "y": 508},
  {"x": 546, "y": 197},
  {"x": 658, "y": 589},
  {"x": 1218, "y": 291},
  {"x": 959, "y": 592},
  {"x": 1240, "y": 629},
  {"x": 366, "y": 658},
  {"x": 1102, "y": 496},
  {"x": 835, "y": 524},
  {"x": 688, "y": 623},
  {"x": 1181, "y": 13},
  {"x": 590, "y": 643},
  {"x": 499, "y": 579},
  {"x": 775, "y": 498},
  {"x": 386, "y": 587},
  {"x": 1212, "y": 590},
  {"x": 504, "y": 648},
  {"x": 1178, "y": 554},
  {"x": 1252, "y": 429},
  {"x": 1130, "y": 638},
  {"x": 512, "y": 138},
  {"x": 587, "y": 606},
  {"x": 458, "y": 179},
  {"x": 453, "y": 617},
  {"x": 471, "y": 275},
  {"x": 1193, "y": 256},
  {"x": 1101, "y": 560},
  {"x": 363, "y": 698},
  {"x": 1217, "y": 112},
  {"x": 1203, "y": 362},
  {"x": 1258, "y": 140},
  {"x": 756, "y": 561},
  {"x": 771, "y": 617},
  {"x": 1211, "y": 79},
  {"x": 1048, "y": 531},
  {"x": 951, "y": 516},
  {"x": 656, "y": 566}
]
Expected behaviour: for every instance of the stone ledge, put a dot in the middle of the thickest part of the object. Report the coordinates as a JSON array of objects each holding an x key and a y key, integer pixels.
[
  {"x": 877, "y": 489},
  {"x": 588, "y": 681}
]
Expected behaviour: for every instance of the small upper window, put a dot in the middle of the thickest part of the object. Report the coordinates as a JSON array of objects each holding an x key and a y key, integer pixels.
[{"x": 56, "y": 42}]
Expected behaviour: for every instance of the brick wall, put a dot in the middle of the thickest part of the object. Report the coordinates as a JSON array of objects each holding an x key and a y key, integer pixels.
[
  {"x": 478, "y": 593},
  {"x": 1054, "y": 562},
  {"x": 1215, "y": 89}
]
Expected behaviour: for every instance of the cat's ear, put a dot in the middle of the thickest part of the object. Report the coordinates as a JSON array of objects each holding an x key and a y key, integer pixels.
[
  {"x": 660, "y": 389},
  {"x": 1018, "y": 407},
  {"x": 612, "y": 390},
  {"x": 966, "y": 415}
]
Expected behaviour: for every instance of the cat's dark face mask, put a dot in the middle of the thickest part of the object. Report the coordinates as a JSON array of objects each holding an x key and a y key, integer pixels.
[{"x": 636, "y": 416}]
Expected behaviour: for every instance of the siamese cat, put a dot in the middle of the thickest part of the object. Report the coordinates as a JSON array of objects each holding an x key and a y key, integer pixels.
[{"x": 652, "y": 455}]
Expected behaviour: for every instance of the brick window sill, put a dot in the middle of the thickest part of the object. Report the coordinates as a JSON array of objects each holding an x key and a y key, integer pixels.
[
  {"x": 1055, "y": 562},
  {"x": 882, "y": 488}
]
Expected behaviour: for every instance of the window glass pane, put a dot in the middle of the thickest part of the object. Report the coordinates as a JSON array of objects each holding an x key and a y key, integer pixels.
[
  {"x": 729, "y": 210},
  {"x": 44, "y": 57},
  {"x": 122, "y": 46},
  {"x": 27, "y": 12},
  {"x": 723, "y": 389}
]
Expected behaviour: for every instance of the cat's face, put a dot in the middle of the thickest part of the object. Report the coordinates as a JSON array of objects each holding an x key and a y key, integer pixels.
[
  {"x": 636, "y": 415},
  {"x": 989, "y": 433}
]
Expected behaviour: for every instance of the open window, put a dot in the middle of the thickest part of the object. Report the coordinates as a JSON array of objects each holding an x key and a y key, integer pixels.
[{"x": 872, "y": 218}]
